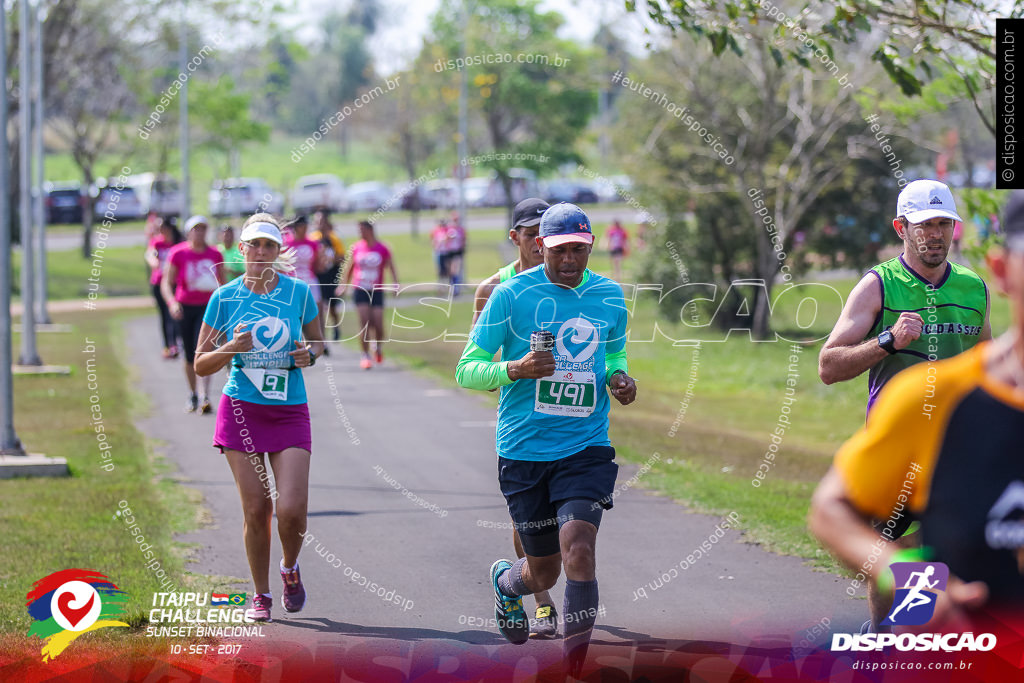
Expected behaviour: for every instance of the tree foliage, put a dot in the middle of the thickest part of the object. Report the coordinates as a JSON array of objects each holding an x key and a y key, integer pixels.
[
  {"x": 791, "y": 134},
  {"x": 908, "y": 36},
  {"x": 534, "y": 111}
]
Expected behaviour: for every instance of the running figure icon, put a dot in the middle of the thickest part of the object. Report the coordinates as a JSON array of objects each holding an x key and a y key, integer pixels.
[{"x": 916, "y": 596}]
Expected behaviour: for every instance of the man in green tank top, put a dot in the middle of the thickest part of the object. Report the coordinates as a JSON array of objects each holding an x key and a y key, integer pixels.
[
  {"x": 917, "y": 307},
  {"x": 524, "y": 231}
]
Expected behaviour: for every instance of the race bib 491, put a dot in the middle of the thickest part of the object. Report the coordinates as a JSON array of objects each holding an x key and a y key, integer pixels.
[{"x": 570, "y": 394}]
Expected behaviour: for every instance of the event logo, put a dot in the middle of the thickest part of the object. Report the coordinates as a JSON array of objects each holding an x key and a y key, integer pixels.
[
  {"x": 582, "y": 331},
  {"x": 270, "y": 334},
  {"x": 68, "y": 603},
  {"x": 918, "y": 585}
]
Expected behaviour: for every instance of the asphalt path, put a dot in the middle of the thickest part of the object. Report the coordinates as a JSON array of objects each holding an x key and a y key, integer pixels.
[
  {"x": 404, "y": 492},
  {"x": 345, "y": 225}
]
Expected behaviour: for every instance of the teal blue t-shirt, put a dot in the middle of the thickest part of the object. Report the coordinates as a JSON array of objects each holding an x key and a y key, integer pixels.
[
  {"x": 554, "y": 417},
  {"x": 275, "y": 321}
]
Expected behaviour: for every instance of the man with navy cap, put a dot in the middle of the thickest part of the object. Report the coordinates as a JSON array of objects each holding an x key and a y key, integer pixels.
[
  {"x": 914, "y": 308},
  {"x": 561, "y": 330},
  {"x": 525, "y": 228}
]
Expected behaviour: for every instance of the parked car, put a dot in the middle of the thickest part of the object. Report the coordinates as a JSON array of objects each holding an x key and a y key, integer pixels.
[
  {"x": 244, "y": 196},
  {"x": 476, "y": 190},
  {"x": 117, "y": 203},
  {"x": 523, "y": 185},
  {"x": 612, "y": 189},
  {"x": 369, "y": 196},
  {"x": 323, "y": 190},
  {"x": 157, "y": 193},
  {"x": 415, "y": 198},
  {"x": 65, "y": 202},
  {"x": 443, "y": 192},
  {"x": 572, "y": 191}
]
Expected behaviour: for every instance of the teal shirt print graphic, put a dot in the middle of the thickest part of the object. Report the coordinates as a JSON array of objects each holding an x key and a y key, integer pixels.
[
  {"x": 572, "y": 390},
  {"x": 557, "y": 416},
  {"x": 275, "y": 321}
]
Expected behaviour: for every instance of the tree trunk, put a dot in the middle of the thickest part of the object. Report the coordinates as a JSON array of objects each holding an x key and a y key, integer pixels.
[
  {"x": 506, "y": 186},
  {"x": 767, "y": 266},
  {"x": 87, "y": 213}
]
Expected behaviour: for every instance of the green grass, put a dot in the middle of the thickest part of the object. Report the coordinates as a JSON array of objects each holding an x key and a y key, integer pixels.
[
  {"x": 122, "y": 272},
  {"x": 53, "y": 524}
]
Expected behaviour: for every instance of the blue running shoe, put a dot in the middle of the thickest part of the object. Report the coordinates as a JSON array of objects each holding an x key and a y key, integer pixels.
[{"x": 508, "y": 612}]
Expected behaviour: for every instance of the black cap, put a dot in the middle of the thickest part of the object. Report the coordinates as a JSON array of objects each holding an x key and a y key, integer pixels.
[
  {"x": 1013, "y": 223},
  {"x": 528, "y": 212},
  {"x": 301, "y": 218}
]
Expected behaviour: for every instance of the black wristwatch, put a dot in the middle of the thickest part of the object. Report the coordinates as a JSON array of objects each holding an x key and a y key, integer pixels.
[{"x": 887, "y": 342}]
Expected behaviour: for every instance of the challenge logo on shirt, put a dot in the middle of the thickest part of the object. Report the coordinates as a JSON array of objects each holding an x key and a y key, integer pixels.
[
  {"x": 270, "y": 339},
  {"x": 577, "y": 331},
  {"x": 572, "y": 390}
]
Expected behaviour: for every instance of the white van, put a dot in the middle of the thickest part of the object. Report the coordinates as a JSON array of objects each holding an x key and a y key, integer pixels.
[
  {"x": 158, "y": 193},
  {"x": 323, "y": 190}
]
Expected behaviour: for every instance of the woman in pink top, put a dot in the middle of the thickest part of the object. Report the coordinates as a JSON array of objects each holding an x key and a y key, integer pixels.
[
  {"x": 617, "y": 241},
  {"x": 308, "y": 255},
  {"x": 194, "y": 268},
  {"x": 156, "y": 258},
  {"x": 367, "y": 261}
]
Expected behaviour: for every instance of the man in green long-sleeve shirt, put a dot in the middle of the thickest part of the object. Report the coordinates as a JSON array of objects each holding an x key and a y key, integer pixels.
[{"x": 556, "y": 465}]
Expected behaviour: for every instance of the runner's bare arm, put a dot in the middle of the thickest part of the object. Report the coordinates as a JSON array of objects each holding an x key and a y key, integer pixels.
[
  {"x": 394, "y": 273},
  {"x": 210, "y": 358},
  {"x": 167, "y": 290},
  {"x": 843, "y": 530},
  {"x": 848, "y": 535},
  {"x": 340, "y": 289},
  {"x": 311, "y": 333},
  {"x": 846, "y": 354},
  {"x": 483, "y": 293}
]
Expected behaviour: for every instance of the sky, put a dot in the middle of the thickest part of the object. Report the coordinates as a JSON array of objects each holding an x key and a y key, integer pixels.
[{"x": 407, "y": 22}]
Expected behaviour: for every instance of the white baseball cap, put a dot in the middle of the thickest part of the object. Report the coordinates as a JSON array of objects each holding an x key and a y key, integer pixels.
[
  {"x": 194, "y": 221},
  {"x": 923, "y": 200},
  {"x": 261, "y": 229}
]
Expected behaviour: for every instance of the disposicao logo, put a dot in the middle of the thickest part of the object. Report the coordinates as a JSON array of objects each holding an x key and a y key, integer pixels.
[
  {"x": 68, "y": 603},
  {"x": 918, "y": 585}
]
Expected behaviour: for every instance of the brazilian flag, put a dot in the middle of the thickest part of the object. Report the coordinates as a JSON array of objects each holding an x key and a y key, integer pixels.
[{"x": 237, "y": 599}]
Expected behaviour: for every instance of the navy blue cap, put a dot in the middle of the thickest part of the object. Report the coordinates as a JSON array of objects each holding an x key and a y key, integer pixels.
[{"x": 564, "y": 223}]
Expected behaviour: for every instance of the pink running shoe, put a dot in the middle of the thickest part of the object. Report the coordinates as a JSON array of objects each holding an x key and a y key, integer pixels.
[
  {"x": 260, "y": 610},
  {"x": 294, "y": 593}
]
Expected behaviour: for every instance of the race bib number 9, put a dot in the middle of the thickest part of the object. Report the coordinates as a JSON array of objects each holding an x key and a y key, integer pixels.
[
  {"x": 272, "y": 384},
  {"x": 569, "y": 394}
]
